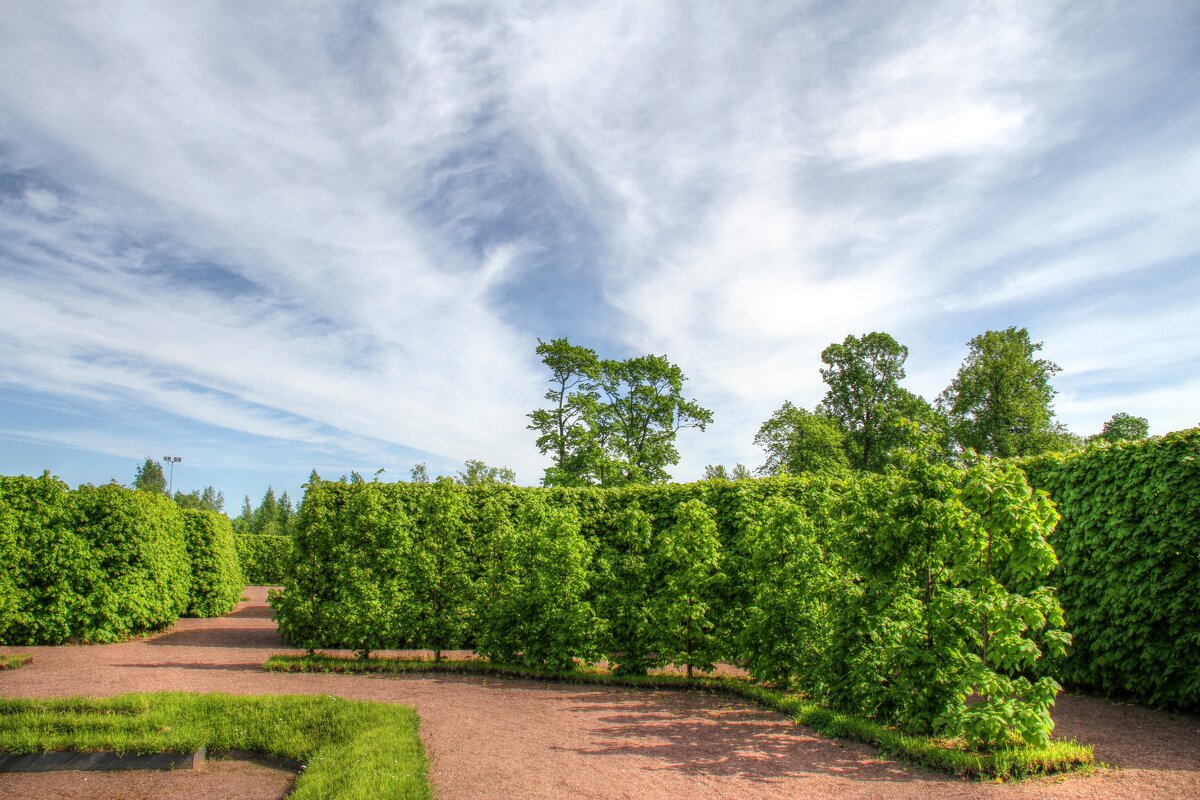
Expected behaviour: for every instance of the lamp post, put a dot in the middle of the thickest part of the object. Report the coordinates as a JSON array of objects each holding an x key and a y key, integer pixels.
[{"x": 172, "y": 460}]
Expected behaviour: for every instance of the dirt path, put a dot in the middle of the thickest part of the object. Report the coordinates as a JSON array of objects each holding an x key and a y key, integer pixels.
[{"x": 493, "y": 738}]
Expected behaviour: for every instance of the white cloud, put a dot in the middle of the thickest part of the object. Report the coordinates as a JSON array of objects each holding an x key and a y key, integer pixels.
[{"x": 759, "y": 185}]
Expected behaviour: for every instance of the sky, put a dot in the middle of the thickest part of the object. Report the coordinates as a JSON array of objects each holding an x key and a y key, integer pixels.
[{"x": 269, "y": 239}]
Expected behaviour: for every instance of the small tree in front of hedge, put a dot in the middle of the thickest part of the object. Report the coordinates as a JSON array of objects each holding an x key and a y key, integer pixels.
[
  {"x": 438, "y": 571},
  {"x": 533, "y": 608},
  {"x": 622, "y": 576},
  {"x": 689, "y": 563}
]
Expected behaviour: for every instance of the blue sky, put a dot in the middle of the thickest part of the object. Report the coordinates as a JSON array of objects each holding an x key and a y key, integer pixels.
[{"x": 328, "y": 236}]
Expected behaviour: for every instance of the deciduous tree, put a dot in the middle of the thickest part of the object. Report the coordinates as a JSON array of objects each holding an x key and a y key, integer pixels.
[
  {"x": 1001, "y": 402},
  {"x": 797, "y": 441}
]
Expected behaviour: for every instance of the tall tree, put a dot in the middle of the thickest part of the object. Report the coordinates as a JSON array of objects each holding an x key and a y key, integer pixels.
[
  {"x": 478, "y": 472},
  {"x": 863, "y": 374},
  {"x": 797, "y": 441},
  {"x": 611, "y": 422},
  {"x": 719, "y": 472},
  {"x": 419, "y": 474},
  {"x": 1124, "y": 427},
  {"x": 208, "y": 500},
  {"x": 1001, "y": 403},
  {"x": 644, "y": 410},
  {"x": 149, "y": 478},
  {"x": 564, "y": 427}
]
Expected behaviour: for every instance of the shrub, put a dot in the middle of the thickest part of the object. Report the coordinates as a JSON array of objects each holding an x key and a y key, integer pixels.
[
  {"x": 45, "y": 562},
  {"x": 888, "y": 595},
  {"x": 1129, "y": 566},
  {"x": 263, "y": 558},
  {"x": 216, "y": 577},
  {"x": 140, "y": 576}
]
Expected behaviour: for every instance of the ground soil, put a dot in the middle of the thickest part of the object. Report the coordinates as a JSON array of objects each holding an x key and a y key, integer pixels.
[{"x": 499, "y": 738}]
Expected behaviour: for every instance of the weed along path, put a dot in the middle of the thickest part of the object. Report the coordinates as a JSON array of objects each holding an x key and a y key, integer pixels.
[{"x": 501, "y": 738}]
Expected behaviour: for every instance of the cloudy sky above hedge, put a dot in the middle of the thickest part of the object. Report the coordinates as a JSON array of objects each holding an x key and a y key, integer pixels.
[{"x": 329, "y": 236}]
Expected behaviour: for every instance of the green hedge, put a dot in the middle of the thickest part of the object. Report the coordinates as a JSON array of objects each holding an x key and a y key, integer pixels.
[
  {"x": 263, "y": 558},
  {"x": 140, "y": 576},
  {"x": 888, "y": 595},
  {"x": 45, "y": 563},
  {"x": 92, "y": 565},
  {"x": 217, "y": 580},
  {"x": 1129, "y": 574},
  {"x": 99, "y": 564}
]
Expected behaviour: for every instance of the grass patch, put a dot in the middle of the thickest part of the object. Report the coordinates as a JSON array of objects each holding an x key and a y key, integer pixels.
[
  {"x": 14, "y": 660},
  {"x": 351, "y": 750},
  {"x": 926, "y": 751}
]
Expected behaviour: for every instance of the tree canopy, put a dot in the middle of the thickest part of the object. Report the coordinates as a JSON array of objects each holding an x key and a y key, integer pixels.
[
  {"x": 1001, "y": 402},
  {"x": 863, "y": 374},
  {"x": 150, "y": 478},
  {"x": 611, "y": 422},
  {"x": 1124, "y": 427},
  {"x": 796, "y": 441}
]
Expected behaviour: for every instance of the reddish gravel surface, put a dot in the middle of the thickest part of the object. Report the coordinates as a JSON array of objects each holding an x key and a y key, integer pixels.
[{"x": 496, "y": 738}]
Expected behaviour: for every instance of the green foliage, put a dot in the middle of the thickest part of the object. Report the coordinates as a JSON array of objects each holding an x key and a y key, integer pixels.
[
  {"x": 863, "y": 374},
  {"x": 274, "y": 516},
  {"x": 531, "y": 607},
  {"x": 477, "y": 472},
  {"x": 622, "y": 578},
  {"x": 140, "y": 578},
  {"x": 1122, "y": 427},
  {"x": 797, "y": 441},
  {"x": 688, "y": 557},
  {"x": 264, "y": 559},
  {"x": 1129, "y": 566},
  {"x": 438, "y": 570},
  {"x": 1000, "y": 402},
  {"x": 96, "y": 564},
  {"x": 795, "y": 576},
  {"x": 350, "y": 749},
  {"x": 718, "y": 472},
  {"x": 217, "y": 579},
  {"x": 891, "y": 595},
  {"x": 45, "y": 561},
  {"x": 611, "y": 422},
  {"x": 149, "y": 477},
  {"x": 208, "y": 500}
]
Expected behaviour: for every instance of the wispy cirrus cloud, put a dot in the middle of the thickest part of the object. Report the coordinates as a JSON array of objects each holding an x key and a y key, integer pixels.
[{"x": 344, "y": 227}]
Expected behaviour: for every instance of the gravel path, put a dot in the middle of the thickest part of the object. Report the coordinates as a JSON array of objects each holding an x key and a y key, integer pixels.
[{"x": 499, "y": 738}]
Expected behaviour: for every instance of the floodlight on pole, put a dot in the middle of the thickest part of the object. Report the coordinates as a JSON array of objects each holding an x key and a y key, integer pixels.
[{"x": 172, "y": 460}]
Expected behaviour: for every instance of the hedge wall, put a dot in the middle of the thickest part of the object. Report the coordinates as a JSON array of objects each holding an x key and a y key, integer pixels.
[
  {"x": 102, "y": 563},
  {"x": 1129, "y": 574},
  {"x": 890, "y": 595},
  {"x": 217, "y": 580},
  {"x": 263, "y": 558}
]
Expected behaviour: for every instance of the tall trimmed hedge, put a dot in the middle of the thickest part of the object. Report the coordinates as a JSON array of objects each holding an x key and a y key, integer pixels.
[
  {"x": 263, "y": 557},
  {"x": 46, "y": 562},
  {"x": 99, "y": 564},
  {"x": 1129, "y": 571},
  {"x": 891, "y": 595},
  {"x": 93, "y": 565},
  {"x": 217, "y": 580},
  {"x": 140, "y": 574}
]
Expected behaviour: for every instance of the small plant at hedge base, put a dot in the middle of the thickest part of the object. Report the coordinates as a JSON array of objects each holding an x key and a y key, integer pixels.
[{"x": 14, "y": 660}]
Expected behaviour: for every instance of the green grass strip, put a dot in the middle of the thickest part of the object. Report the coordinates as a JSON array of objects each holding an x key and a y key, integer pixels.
[
  {"x": 351, "y": 750},
  {"x": 936, "y": 754},
  {"x": 14, "y": 660}
]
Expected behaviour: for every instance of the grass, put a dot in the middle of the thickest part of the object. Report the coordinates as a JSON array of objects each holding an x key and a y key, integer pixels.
[
  {"x": 926, "y": 751},
  {"x": 351, "y": 750},
  {"x": 14, "y": 660}
]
